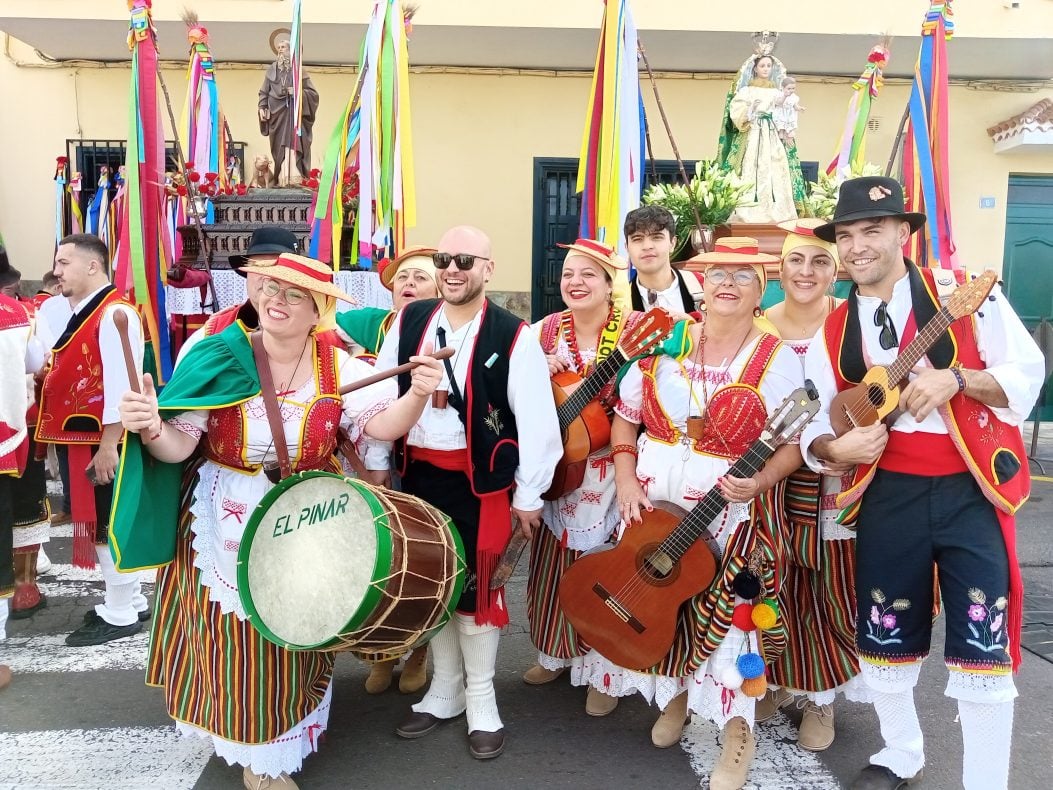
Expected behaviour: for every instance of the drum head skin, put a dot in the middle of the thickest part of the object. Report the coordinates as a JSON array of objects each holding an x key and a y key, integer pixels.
[{"x": 311, "y": 554}]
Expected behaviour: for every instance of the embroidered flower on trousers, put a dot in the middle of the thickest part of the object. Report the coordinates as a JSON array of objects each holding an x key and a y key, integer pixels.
[
  {"x": 985, "y": 623},
  {"x": 881, "y": 627}
]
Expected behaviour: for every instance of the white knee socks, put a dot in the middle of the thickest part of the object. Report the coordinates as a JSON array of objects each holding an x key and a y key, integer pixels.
[
  {"x": 445, "y": 697},
  {"x": 123, "y": 598},
  {"x": 3, "y": 618},
  {"x": 893, "y": 697},
  {"x": 479, "y": 647},
  {"x": 985, "y": 709}
]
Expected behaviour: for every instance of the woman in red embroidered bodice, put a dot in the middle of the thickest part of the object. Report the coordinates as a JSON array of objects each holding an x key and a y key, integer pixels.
[{"x": 701, "y": 403}]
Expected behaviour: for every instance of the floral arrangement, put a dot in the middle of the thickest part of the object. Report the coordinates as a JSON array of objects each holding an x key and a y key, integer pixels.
[
  {"x": 349, "y": 191},
  {"x": 821, "y": 202},
  {"x": 714, "y": 192}
]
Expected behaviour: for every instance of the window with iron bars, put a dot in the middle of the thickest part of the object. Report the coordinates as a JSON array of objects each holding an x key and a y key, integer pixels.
[{"x": 88, "y": 156}]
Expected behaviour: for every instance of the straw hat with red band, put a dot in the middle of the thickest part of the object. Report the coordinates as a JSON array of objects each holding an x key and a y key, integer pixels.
[
  {"x": 737, "y": 251},
  {"x": 801, "y": 233},
  {"x": 599, "y": 252},
  {"x": 413, "y": 257},
  {"x": 303, "y": 272}
]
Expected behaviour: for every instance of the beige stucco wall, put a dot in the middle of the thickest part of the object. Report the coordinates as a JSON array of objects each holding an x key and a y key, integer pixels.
[{"x": 475, "y": 140}]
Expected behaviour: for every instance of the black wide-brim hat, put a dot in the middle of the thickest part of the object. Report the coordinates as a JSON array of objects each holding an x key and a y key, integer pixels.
[
  {"x": 868, "y": 197},
  {"x": 268, "y": 240}
]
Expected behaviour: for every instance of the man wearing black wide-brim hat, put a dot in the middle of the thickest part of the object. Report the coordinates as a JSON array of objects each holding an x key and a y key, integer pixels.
[{"x": 936, "y": 484}]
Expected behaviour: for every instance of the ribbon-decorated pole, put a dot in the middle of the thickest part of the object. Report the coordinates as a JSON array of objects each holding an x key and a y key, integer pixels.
[
  {"x": 61, "y": 197},
  {"x": 926, "y": 165},
  {"x": 851, "y": 152},
  {"x": 203, "y": 124},
  {"x": 76, "y": 214},
  {"x": 142, "y": 262},
  {"x": 610, "y": 171},
  {"x": 296, "y": 61},
  {"x": 372, "y": 147}
]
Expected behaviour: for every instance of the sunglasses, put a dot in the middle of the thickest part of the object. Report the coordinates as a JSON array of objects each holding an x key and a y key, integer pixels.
[
  {"x": 464, "y": 260},
  {"x": 887, "y": 338},
  {"x": 739, "y": 276},
  {"x": 652, "y": 297},
  {"x": 292, "y": 294}
]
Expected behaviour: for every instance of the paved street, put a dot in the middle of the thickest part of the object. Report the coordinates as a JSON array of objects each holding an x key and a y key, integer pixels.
[{"x": 82, "y": 718}]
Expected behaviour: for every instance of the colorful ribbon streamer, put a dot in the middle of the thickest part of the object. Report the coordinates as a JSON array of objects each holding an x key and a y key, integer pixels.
[{"x": 851, "y": 153}]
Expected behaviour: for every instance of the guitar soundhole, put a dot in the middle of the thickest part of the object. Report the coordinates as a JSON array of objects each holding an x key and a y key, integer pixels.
[
  {"x": 654, "y": 565},
  {"x": 876, "y": 396}
]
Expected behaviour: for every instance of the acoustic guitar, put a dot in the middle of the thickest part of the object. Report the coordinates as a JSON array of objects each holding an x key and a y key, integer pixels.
[
  {"x": 876, "y": 397},
  {"x": 624, "y": 600},
  {"x": 583, "y": 420}
]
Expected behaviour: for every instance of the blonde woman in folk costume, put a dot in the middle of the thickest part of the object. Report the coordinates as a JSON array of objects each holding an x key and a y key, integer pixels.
[
  {"x": 576, "y": 340},
  {"x": 817, "y": 597},
  {"x": 687, "y": 447},
  {"x": 204, "y": 652},
  {"x": 750, "y": 144}
]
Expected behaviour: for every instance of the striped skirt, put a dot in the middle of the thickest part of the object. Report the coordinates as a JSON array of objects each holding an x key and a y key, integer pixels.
[
  {"x": 218, "y": 673},
  {"x": 818, "y": 608},
  {"x": 550, "y": 630}
]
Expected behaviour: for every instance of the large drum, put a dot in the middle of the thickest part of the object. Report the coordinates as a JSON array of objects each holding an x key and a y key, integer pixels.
[{"x": 331, "y": 563}]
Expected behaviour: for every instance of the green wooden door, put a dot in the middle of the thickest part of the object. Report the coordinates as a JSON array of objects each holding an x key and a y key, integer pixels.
[{"x": 1027, "y": 266}]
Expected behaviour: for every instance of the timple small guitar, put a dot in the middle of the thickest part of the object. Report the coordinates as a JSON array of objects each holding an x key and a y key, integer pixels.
[
  {"x": 582, "y": 419},
  {"x": 877, "y": 395},
  {"x": 624, "y": 601}
]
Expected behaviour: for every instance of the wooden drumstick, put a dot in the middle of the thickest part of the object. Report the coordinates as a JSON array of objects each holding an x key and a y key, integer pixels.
[
  {"x": 442, "y": 353},
  {"x": 120, "y": 320}
]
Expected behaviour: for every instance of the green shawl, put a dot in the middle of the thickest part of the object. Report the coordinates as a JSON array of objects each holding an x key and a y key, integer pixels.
[
  {"x": 366, "y": 326},
  {"x": 219, "y": 371}
]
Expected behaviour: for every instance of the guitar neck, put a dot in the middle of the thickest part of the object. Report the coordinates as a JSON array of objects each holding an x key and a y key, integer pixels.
[
  {"x": 915, "y": 350},
  {"x": 589, "y": 388},
  {"x": 701, "y": 516}
]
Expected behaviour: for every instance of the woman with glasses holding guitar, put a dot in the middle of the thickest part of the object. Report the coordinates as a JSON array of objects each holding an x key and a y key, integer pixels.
[
  {"x": 585, "y": 345},
  {"x": 703, "y": 401}
]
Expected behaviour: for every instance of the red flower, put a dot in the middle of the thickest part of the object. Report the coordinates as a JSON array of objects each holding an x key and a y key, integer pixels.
[
  {"x": 228, "y": 190},
  {"x": 312, "y": 183},
  {"x": 210, "y": 177},
  {"x": 242, "y": 189},
  {"x": 195, "y": 177},
  {"x": 62, "y": 160},
  {"x": 181, "y": 190},
  {"x": 315, "y": 172}
]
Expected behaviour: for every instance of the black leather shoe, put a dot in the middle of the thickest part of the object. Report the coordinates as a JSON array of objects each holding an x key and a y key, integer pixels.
[
  {"x": 91, "y": 616},
  {"x": 486, "y": 745},
  {"x": 878, "y": 777},
  {"x": 97, "y": 631},
  {"x": 417, "y": 725}
]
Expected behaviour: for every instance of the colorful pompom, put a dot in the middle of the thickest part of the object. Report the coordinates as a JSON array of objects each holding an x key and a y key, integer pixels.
[
  {"x": 764, "y": 616},
  {"x": 755, "y": 687},
  {"x": 746, "y": 585},
  {"x": 742, "y": 617},
  {"x": 730, "y": 678},
  {"x": 750, "y": 665}
]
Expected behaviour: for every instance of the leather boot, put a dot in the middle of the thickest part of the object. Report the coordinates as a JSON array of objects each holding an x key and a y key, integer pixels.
[
  {"x": 27, "y": 598},
  {"x": 379, "y": 678},
  {"x": 415, "y": 673},
  {"x": 735, "y": 756},
  {"x": 670, "y": 725}
]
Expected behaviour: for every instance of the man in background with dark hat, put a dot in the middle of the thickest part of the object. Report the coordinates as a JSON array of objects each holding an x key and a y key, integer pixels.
[{"x": 950, "y": 472}]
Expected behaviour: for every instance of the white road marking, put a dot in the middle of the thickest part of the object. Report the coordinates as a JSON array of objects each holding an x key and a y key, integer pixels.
[
  {"x": 49, "y": 653},
  {"x": 779, "y": 764},
  {"x": 125, "y": 757}
]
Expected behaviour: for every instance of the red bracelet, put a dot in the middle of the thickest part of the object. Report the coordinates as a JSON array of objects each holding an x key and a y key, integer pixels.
[{"x": 624, "y": 448}]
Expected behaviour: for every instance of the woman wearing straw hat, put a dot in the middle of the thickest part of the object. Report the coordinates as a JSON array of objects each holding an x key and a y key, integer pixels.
[
  {"x": 262, "y": 706},
  {"x": 683, "y": 453},
  {"x": 577, "y": 340},
  {"x": 817, "y": 597},
  {"x": 409, "y": 277}
]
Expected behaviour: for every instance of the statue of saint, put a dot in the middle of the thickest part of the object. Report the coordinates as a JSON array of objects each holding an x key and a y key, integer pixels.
[{"x": 276, "y": 110}]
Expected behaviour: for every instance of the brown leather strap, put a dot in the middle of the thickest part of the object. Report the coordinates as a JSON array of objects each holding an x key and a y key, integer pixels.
[
  {"x": 270, "y": 403},
  {"x": 347, "y": 447}
]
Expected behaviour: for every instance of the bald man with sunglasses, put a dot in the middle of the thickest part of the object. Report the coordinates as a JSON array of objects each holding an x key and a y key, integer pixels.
[{"x": 464, "y": 456}]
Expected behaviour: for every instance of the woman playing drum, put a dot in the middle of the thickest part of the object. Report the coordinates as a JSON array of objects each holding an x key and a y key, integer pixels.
[
  {"x": 817, "y": 597},
  {"x": 263, "y": 706},
  {"x": 576, "y": 340},
  {"x": 697, "y": 423}
]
